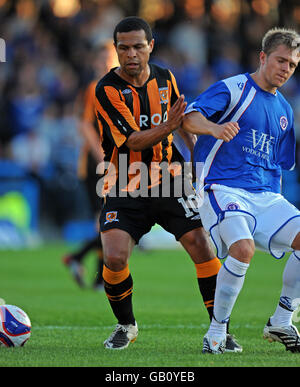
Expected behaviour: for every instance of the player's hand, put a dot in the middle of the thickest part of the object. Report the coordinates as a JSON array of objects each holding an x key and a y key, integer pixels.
[
  {"x": 176, "y": 114},
  {"x": 226, "y": 131}
]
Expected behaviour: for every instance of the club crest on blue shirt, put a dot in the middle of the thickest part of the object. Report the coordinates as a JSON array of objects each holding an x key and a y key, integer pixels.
[
  {"x": 283, "y": 122},
  {"x": 241, "y": 85},
  {"x": 232, "y": 206}
]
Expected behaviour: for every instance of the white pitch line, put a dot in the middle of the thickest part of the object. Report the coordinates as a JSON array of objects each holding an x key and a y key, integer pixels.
[{"x": 152, "y": 326}]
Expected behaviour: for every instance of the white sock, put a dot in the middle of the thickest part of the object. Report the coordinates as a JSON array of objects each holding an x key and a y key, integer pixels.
[
  {"x": 217, "y": 329},
  {"x": 290, "y": 292},
  {"x": 230, "y": 281}
]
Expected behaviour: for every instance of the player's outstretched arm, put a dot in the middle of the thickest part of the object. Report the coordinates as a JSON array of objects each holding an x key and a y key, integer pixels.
[
  {"x": 89, "y": 134},
  {"x": 138, "y": 141},
  {"x": 196, "y": 123}
]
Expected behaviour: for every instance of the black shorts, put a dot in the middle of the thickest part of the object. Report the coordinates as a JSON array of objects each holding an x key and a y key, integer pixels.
[{"x": 177, "y": 215}]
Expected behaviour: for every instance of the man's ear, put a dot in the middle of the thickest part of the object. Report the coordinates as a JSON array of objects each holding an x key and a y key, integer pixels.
[
  {"x": 262, "y": 57},
  {"x": 151, "y": 45}
]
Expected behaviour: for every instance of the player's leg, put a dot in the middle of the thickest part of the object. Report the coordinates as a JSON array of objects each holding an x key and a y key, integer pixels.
[
  {"x": 207, "y": 265},
  {"x": 74, "y": 260},
  {"x": 98, "y": 281},
  {"x": 118, "y": 280},
  {"x": 291, "y": 279},
  {"x": 180, "y": 217},
  {"x": 123, "y": 221},
  {"x": 236, "y": 234},
  {"x": 118, "y": 286},
  {"x": 280, "y": 326},
  {"x": 199, "y": 248},
  {"x": 87, "y": 246}
]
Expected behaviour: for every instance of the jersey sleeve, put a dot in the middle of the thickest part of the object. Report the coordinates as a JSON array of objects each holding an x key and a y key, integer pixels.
[
  {"x": 213, "y": 102},
  {"x": 113, "y": 114}
]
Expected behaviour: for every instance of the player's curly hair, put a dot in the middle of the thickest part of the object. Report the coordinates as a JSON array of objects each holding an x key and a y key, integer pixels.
[
  {"x": 133, "y": 23},
  {"x": 277, "y": 36}
]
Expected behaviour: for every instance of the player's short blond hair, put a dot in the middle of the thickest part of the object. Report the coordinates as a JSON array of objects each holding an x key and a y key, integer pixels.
[{"x": 277, "y": 36}]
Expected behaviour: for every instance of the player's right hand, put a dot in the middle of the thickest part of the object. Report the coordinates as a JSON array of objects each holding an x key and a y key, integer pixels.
[
  {"x": 176, "y": 113},
  {"x": 226, "y": 131}
]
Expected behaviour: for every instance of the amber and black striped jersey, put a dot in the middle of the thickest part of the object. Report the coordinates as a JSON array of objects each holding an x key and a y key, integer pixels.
[{"x": 122, "y": 109}]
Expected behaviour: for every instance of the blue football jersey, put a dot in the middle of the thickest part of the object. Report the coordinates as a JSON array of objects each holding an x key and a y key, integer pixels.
[{"x": 265, "y": 144}]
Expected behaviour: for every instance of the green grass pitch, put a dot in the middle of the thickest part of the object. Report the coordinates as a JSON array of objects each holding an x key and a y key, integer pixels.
[{"x": 69, "y": 325}]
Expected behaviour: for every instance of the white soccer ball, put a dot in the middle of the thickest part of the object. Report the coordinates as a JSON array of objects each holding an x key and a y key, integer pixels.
[{"x": 15, "y": 326}]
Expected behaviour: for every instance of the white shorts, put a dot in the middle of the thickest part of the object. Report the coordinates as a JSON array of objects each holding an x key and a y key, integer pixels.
[{"x": 266, "y": 214}]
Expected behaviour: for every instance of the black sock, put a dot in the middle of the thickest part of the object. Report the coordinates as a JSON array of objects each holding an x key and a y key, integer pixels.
[
  {"x": 119, "y": 296},
  {"x": 207, "y": 287}
]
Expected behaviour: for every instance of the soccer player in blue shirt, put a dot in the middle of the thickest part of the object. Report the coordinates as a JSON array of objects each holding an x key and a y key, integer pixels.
[{"x": 246, "y": 137}]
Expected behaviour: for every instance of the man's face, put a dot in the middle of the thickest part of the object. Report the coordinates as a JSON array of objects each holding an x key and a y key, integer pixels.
[
  {"x": 279, "y": 65},
  {"x": 133, "y": 51}
]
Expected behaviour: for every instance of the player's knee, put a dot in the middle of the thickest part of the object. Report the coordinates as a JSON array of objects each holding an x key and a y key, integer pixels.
[
  {"x": 197, "y": 244},
  {"x": 115, "y": 259},
  {"x": 196, "y": 238},
  {"x": 243, "y": 250},
  {"x": 202, "y": 237}
]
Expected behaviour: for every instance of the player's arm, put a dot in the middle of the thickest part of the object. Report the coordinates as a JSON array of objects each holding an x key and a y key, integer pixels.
[
  {"x": 188, "y": 138},
  {"x": 88, "y": 132},
  {"x": 86, "y": 126},
  {"x": 119, "y": 123},
  {"x": 196, "y": 123},
  {"x": 138, "y": 141},
  {"x": 202, "y": 115},
  {"x": 151, "y": 137},
  {"x": 189, "y": 141}
]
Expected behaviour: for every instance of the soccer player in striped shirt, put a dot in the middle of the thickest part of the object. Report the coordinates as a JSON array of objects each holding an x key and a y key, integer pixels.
[{"x": 138, "y": 108}]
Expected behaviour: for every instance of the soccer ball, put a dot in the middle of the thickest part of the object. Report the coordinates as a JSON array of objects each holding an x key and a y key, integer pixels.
[{"x": 15, "y": 326}]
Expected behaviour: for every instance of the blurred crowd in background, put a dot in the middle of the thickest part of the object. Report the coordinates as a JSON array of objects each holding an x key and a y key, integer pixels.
[{"x": 49, "y": 46}]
